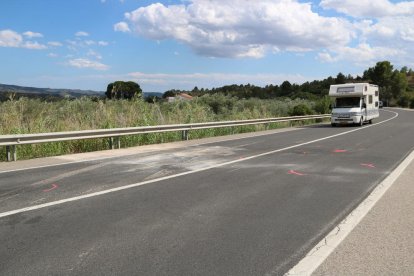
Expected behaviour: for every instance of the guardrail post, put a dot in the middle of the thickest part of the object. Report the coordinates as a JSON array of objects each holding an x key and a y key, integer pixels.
[
  {"x": 118, "y": 142},
  {"x": 8, "y": 153},
  {"x": 11, "y": 152},
  {"x": 14, "y": 149},
  {"x": 185, "y": 135},
  {"x": 111, "y": 142}
]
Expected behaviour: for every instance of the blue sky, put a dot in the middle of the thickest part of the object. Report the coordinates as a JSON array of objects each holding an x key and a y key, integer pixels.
[{"x": 86, "y": 44}]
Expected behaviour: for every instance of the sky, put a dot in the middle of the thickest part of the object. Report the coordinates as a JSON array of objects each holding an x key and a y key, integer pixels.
[{"x": 180, "y": 44}]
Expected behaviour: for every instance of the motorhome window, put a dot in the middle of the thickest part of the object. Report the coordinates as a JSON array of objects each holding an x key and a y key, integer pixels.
[
  {"x": 376, "y": 93},
  {"x": 347, "y": 102},
  {"x": 370, "y": 99},
  {"x": 376, "y": 104},
  {"x": 345, "y": 89}
]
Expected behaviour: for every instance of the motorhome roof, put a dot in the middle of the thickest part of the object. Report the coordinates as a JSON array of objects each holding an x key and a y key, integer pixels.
[
  {"x": 351, "y": 89},
  {"x": 359, "y": 84}
]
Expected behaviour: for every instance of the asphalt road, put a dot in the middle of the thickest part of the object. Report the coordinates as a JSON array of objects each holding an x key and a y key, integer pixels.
[{"x": 252, "y": 206}]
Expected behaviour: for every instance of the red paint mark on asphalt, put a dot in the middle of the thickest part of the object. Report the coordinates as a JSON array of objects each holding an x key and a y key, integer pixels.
[
  {"x": 339, "y": 151},
  {"x": 54, "y": 186},
  {"x": 368, "y": 165},
  {"x": 295, "y": 173}
]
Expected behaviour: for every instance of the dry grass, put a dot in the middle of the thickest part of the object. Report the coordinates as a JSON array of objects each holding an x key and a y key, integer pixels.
[{"x": 36, "y": 116}]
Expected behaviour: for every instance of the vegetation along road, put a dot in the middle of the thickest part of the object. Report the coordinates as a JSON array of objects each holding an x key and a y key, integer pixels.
[{"x": 248, "y": 206}]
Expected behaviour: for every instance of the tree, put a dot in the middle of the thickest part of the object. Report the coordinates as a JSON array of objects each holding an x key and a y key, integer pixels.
[
  {"x": 123, "y": 90},
  {"x": 404, "y": 70},
  {"x": 170, "y": 93},
  {"x": 285, "y": 88},
  {"x": 340, "y": 78},
  {"x": 398, "y": 84},
  {"x": 381, "y": 75}
]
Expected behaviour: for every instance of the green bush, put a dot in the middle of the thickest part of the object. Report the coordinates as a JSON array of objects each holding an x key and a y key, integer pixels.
[
  {"x": 323, "y": 106},
  {"x": 412, "y": 103},
  {"x": 301, "y": 110}
]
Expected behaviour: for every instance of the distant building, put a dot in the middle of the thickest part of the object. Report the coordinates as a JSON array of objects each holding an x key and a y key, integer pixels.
[{"x": 180, "y": 97}]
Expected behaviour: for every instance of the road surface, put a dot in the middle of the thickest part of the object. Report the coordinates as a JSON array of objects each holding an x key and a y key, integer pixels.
[{"x": 251, "y": 206}]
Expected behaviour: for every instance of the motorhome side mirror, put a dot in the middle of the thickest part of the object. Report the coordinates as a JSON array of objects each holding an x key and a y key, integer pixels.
[
  {"x": 364, "y": 105},
  {"x": 330, "y": 106}
]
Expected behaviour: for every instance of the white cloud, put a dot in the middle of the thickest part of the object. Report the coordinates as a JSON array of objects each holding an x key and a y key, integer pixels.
[
  {"x": 361, "y": 55},
  {"x": 52, "y": 55},
  {"x": 90, "y": 42},
  {"x": 240, "y": 28},
  {"x": 94, "y": 54},
  {"x": 408, "y": 34},
  {"x": 369, "y": 8},
  {"x": 389, "y": 30},
  {"x": 86, "y": 63},
  {"x": 81, "y": 33},
  {"x": 54, "y": 44},
  {"x": 209, "y": 80},
  {"x": 34, "y": 45},
  {"x": 121, "y": 27},
  {"x": 384, "y": 31},
  {"x": 72, "y": 42},
  {"x": 9, "y": 38},
  {"x": 30, "y": 34},
  {"x": 79, "y": 43}
]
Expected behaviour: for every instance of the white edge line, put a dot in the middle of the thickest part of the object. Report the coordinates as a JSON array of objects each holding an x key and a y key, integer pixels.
[
  {"x": 58, "y": 202},
  {"x": 317, "y": 255}
]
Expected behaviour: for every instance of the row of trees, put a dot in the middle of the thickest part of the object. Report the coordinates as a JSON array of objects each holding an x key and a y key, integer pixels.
[
  {"x": 393, "y": 83},
  {"x": 397, "y": 87}
]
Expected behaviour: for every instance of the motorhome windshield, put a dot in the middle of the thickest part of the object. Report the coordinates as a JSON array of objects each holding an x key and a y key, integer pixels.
[{"x": 347, "y": 102}]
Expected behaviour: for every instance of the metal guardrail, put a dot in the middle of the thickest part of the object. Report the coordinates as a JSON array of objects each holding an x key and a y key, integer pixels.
[{"x": 11, "y": 141}]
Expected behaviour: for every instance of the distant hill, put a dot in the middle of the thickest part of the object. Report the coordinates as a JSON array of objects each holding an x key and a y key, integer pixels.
[
  {"x": 152, "y": 94},
  {"x": 53, "y": 93},
  {"x": 33, "y": 92}
]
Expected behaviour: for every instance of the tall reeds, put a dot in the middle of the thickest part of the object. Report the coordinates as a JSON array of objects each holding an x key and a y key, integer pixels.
[{"x": 36, "y": 116}]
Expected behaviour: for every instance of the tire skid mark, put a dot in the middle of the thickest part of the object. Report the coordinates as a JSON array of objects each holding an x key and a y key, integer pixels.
[{"x": 62, "y": 176}]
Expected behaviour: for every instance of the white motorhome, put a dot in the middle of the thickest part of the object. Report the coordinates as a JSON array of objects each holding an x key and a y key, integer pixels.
[{"x": 354, "y": 103}]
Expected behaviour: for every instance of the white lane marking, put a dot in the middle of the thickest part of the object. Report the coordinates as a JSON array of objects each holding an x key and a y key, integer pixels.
[
  {"x": 58, "y": 202},
  {"x": 317, "y": 255}
]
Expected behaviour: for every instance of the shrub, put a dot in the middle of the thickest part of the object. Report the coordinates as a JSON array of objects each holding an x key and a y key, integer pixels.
[{"x": 301, "y": 110}]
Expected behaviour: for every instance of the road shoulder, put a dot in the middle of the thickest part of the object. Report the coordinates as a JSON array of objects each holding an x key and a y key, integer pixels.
[
  {"x": 377, "y": 229},
  {"x": 383, "y": 243},
  {"x": 106, "y": 154}
]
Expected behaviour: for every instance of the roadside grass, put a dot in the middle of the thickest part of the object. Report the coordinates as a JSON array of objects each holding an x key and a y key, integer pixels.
[{"x": 25, "y": 115}]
